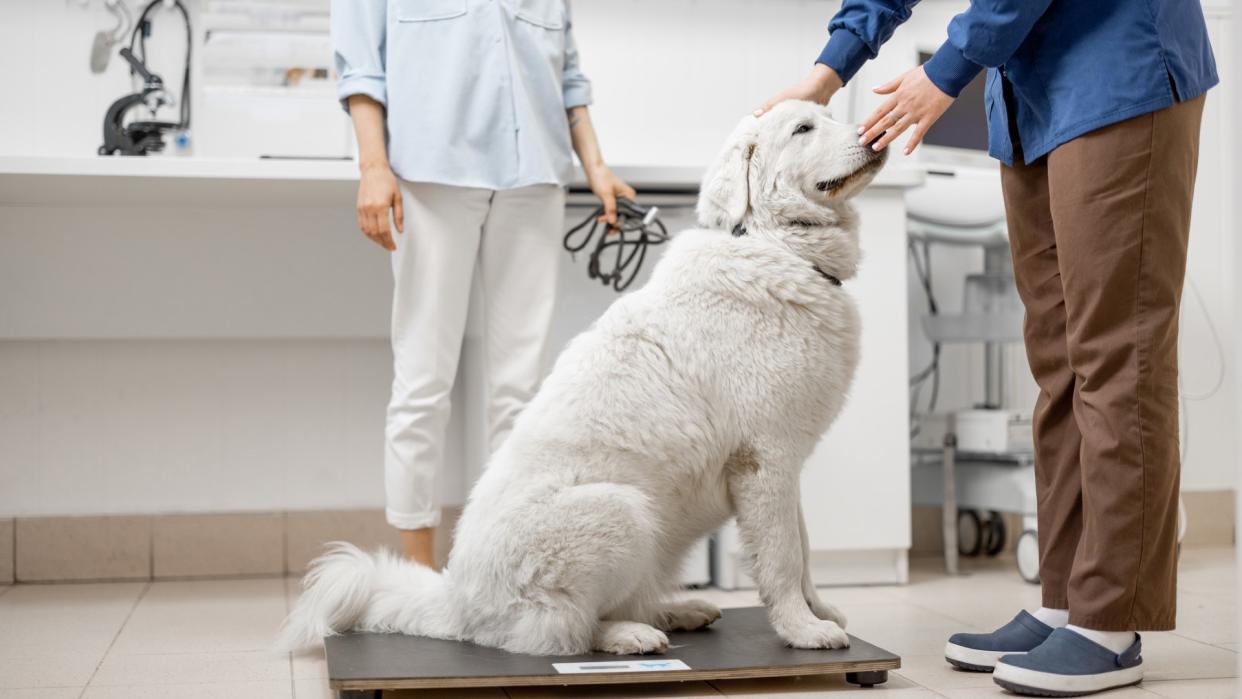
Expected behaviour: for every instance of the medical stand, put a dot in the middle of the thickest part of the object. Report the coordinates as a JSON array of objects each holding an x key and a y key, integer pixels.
[{"x": 996, "y": 480}]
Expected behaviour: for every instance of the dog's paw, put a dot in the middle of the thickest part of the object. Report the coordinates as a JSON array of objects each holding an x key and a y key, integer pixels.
[
  {"x": 826, "y": 611},
  {"x": 629, "y": 638},
  {"x": 816, "y": 634},
  {"x": 688, "y": 615}
]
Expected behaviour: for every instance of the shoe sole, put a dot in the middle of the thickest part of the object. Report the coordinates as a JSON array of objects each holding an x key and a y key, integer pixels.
[
  {"x": 973, "y": 659},
  {"x": 1047, "y": 684}
]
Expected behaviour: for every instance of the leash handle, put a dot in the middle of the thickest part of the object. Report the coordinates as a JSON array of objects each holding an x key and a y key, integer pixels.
[{"x": 635, "y": 230}]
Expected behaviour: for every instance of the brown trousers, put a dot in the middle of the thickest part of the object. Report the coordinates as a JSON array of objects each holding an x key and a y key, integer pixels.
[{"x": 1099, "y": 229}]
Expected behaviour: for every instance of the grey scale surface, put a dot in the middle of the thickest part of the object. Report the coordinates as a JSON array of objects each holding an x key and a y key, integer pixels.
[{"x": 740, "y": 645}]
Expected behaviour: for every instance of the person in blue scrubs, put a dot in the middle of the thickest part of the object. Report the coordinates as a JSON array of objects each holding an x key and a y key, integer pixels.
[{"x": 1093, "y": 109}]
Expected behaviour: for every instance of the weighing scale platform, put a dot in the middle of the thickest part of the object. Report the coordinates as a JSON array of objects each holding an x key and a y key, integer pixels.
[{"x": 740, "y": 645}]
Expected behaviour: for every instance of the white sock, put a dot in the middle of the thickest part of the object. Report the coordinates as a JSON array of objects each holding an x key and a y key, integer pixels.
[
  {"x": 1056, "y": 618},
  {"x": 1116, "y": 641}
]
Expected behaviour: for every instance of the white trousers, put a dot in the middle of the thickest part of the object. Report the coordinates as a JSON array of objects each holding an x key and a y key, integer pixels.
[{"x": 514, "y": 236}]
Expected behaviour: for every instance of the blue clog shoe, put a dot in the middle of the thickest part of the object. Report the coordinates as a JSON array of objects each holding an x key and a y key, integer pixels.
[
  {"x": 979, "y": 652},
  {"x": 1069, "y": 665}
]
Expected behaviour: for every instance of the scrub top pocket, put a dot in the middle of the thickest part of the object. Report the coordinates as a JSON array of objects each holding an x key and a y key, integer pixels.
[
  {"x": 428, "y": 10},
  {"x": 549, "y": 14}
]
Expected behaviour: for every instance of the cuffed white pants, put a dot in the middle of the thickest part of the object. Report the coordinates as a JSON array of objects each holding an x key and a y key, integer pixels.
[{"x": 514, "y": 236}]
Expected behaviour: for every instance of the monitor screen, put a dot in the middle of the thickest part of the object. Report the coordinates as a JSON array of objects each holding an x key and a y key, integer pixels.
[{"x": 964, "y": 125}]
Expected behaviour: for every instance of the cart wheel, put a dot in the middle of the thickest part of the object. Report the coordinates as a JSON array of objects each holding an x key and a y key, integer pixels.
[
  {"x": 1028, "y": 556},
  {"x": 994, "y": 534},
  {"x": 969, "y": 533}
]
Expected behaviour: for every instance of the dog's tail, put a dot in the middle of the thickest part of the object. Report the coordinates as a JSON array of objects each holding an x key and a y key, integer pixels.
[{"x": 348, "y": 589}]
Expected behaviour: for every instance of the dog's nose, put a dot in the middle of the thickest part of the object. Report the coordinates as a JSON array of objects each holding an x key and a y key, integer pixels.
[{"x": 877, "y": 138}]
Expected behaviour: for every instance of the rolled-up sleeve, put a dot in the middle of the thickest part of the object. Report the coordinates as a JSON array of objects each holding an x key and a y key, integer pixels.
[
  {"x": 575, "y": 85},
  {"x": 984, "y": 36},
  {"x": 359, "y": 30},
  {"x": 858, "y": 30}
]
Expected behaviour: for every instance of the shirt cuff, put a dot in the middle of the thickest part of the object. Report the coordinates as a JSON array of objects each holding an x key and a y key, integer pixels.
[
  {"x": 370, "y": 85},
  {"x": 577, "y": 95},
  {"x": 950, "y": 70},
  {"x": 845, "y": 54}
]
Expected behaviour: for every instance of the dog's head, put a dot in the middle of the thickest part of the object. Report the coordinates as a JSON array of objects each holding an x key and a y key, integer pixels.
[{"x": 786, "y": 176}]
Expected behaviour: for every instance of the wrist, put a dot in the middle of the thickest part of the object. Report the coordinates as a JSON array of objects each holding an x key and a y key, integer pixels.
[
  {"x": 825, "y": 79},
  {"x": 371, "y": 165}
]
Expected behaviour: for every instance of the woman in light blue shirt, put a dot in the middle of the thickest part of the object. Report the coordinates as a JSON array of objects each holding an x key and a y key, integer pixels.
[{"x": 466, "y": 112}]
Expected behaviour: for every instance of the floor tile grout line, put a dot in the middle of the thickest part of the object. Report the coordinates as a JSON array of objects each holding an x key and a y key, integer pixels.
[
  {"x": 134, "y": 607},
  {"x": 1214, "y": 644},
  {"x": 293, "y": 685},
  {"x": 942, "y": 615},
  {"x": 1195, "y": 640}
]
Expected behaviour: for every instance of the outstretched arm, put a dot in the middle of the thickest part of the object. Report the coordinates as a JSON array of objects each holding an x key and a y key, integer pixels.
[
  {"x": 985, "y": 35},
  {"x": 855, "y": 36}
]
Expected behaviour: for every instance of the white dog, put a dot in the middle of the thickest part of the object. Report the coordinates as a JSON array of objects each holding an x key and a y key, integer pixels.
[{"x": 690, "y": 401}]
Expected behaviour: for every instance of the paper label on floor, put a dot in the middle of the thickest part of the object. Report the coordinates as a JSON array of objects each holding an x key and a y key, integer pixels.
[{"x": 661, "y": 665}]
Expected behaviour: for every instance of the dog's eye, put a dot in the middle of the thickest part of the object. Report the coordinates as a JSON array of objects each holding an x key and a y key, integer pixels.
[{"x": 803, "y": 128}]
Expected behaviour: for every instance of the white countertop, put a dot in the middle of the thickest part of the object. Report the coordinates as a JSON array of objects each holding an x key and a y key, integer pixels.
[{"x": 161, "y": 180}]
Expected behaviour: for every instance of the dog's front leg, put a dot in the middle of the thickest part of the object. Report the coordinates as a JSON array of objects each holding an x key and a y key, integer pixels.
[
  {"x": 765, "y": 497},
  {"x": 819, "y": 608}
]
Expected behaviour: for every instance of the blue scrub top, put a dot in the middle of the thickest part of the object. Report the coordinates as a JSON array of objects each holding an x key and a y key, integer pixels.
[
  {"x": 1073, "y": 65},
  {"x": 476, "y": 91}
]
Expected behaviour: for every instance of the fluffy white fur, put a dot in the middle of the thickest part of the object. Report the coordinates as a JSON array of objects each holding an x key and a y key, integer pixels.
[{"x": 690, "y": 401}]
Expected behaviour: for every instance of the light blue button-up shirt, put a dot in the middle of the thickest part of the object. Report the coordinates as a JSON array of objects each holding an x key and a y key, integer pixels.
[{"x": 476, "y": 91}]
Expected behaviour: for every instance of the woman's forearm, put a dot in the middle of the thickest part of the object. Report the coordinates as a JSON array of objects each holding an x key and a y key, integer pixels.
[
  {"x": 606, "y": 185},
  {"x": 586, "y": 144},
  {"x": 368, "y": 118}
]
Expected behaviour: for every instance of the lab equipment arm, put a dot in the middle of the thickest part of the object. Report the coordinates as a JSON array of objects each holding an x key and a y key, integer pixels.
[
  {"x": 359, "y": 39},
  {"x": 604, "y": 183}
]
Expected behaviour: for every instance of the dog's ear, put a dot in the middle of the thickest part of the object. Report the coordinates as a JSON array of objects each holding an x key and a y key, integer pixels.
[{"x": 724, "y": 197}]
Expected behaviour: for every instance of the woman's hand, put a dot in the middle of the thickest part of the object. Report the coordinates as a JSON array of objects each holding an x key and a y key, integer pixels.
[
  {"x": 819, "y": 86},
  {"x": 377, "y": 193},
  {"x": 608, "y": 187},
  {"x": 915, "y": 101}
]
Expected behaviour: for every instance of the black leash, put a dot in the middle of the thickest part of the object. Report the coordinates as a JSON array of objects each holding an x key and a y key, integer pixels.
[{"x": 637, "y": 228}]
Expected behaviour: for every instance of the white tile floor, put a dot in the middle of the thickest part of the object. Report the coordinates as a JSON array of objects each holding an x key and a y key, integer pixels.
[{"x": 212, "y": 639}]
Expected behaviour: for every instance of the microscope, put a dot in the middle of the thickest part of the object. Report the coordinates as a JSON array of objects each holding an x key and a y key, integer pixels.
[
  {"x": 140, "y": 137},
  {"x": 137, "y": 137}
]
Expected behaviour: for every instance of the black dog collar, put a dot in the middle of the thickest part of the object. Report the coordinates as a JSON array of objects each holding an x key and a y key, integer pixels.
[{"x": 833, "y": 280}]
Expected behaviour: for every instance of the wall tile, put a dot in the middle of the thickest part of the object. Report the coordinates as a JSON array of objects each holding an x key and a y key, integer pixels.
[
  {"x": 6, "y": 551},
  {"x": 218, "y": 545},
  {"x": 82, "y": 548}
]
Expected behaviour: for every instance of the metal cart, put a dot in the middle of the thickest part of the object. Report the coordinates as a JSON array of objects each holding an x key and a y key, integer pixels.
[{"x": 972, "y": 486}]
